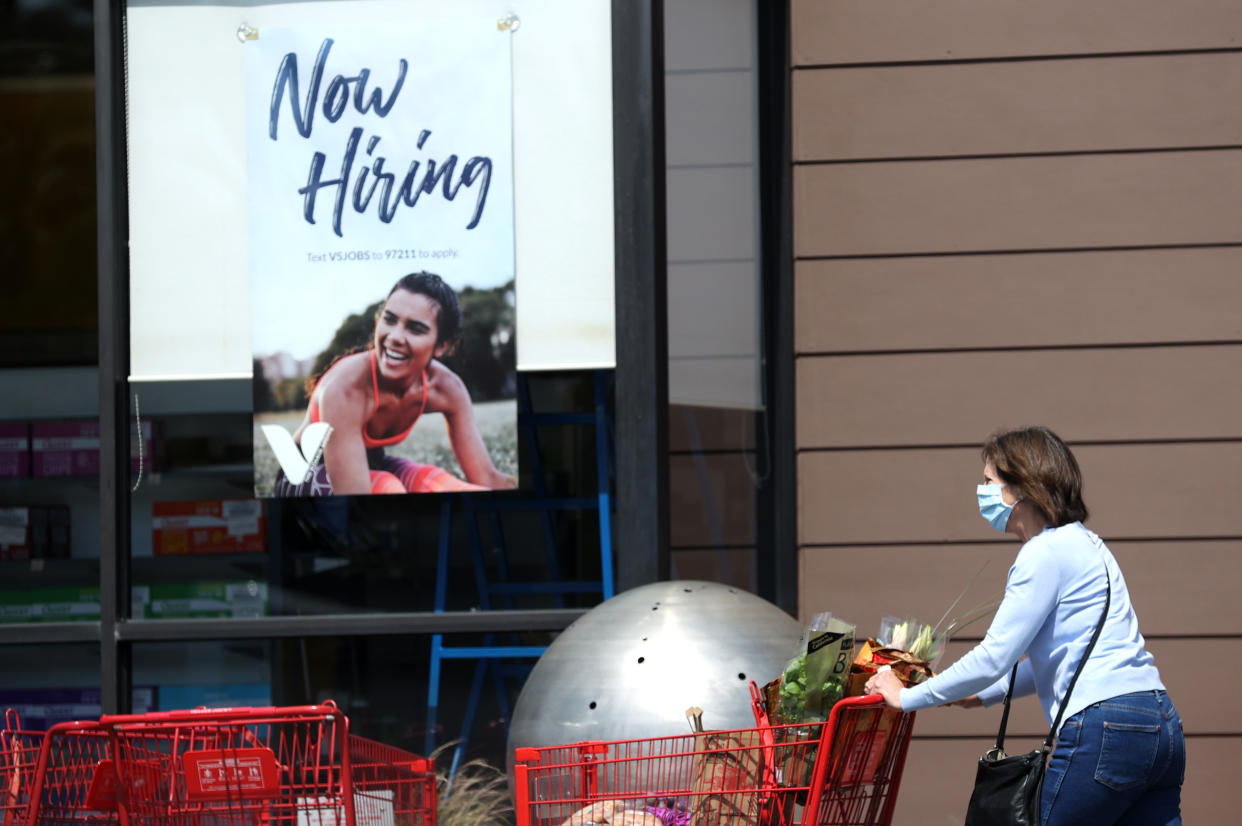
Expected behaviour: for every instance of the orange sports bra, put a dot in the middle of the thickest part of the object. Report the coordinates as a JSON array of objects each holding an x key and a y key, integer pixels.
[{"x": 367, "y": 439}]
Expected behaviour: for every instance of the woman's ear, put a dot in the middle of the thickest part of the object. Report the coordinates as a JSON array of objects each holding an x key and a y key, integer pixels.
[{"x": 445, "y": 348}]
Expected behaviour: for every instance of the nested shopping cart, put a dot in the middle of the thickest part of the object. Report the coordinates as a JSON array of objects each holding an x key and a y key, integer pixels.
[
  {"x": 19, "y": 754},
  {"x": 280, "y": 766},
  {"x": 844, "y": 771},
  {"x": 63, "y": 775}
]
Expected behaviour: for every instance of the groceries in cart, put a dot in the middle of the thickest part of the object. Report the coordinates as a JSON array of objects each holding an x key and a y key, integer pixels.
[
  {"x": 726, "y": 768},
  {"x": 905, "y": 646},
  {"x": 908, "y": 647},
  {"x": 814, "y": 678},
  {"x": 814, "y": 756},
  {"x": 822, "y": 751},
  {"x": 844, "y": 772},
  {"x": 653, "y": 812},
  {"x": 829, "y": 665},
  {"x": 910, "y": 635}
]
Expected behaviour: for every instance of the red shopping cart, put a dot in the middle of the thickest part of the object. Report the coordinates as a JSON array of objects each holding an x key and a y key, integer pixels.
[
  {"x": 60, "y": 776},
  {"x": 291, "y": 766},
  {"x": 19, "y": 754},
  {"x": 844, "y": 771}
]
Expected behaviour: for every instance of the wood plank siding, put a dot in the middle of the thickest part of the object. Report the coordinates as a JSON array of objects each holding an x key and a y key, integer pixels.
[{"x": 1011, "y": 213}]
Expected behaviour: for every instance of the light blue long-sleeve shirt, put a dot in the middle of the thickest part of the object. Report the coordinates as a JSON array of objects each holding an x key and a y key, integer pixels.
[{"x": 1053, "y": 600}]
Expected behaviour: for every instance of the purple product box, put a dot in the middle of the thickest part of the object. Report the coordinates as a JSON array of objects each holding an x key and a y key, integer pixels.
[
  {"x": 14, "y": 450},
  {"x": 65, "y": 448},
  {"x": 39, "y": 709},
  {"x": 71, "y": 448}
]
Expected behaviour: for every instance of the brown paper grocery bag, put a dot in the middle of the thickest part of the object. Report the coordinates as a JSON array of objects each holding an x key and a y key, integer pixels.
[
  {"x": 861, "y": 746},
  {"x": 726, "y": 778}
]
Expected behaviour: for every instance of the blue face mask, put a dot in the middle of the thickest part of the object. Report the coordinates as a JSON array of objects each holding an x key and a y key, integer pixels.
[{"x": 992, "y": 507}]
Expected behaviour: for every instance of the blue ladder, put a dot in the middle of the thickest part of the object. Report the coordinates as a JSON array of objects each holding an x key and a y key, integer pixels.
[{"x": 489, "y": 655}]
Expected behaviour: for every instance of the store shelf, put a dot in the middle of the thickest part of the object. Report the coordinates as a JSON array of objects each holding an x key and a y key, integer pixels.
[
  {"x": 73, "y": 392},
  {"x": 49, "y": 393},
  {"x": 205, "y": 482},
  {"x": 194, "y": 475},
  {"x": 13, "y": 489},
  {"x": 166, "y": 570},
  {"x": 183, "y": 397},
  {"x": 18, "y": 574}
]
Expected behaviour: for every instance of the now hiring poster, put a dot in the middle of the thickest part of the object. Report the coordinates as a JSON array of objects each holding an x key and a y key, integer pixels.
[{"x": 381, "y": 254}]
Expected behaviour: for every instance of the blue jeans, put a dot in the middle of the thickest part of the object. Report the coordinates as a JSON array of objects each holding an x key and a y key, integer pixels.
[{"x": 1120, "y": 761}]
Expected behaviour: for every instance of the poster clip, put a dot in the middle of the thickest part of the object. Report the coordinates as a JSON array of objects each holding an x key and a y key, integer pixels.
[
  {"x": 509, "y": 24},
  {"x": 247, "y": 32}
]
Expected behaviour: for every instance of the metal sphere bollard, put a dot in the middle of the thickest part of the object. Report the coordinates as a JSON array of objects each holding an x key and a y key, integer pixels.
[{"x": 631, "y": 666}]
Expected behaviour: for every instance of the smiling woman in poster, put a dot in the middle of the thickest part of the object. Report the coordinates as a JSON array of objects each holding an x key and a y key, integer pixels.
[{"x": 373, "y": 398}]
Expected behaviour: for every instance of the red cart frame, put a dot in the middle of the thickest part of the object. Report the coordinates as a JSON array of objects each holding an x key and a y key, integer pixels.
[
  {"x": 844, "y": 771},
  {"x": 61, "y": 776},
  {"x": 285, "y": 766},
  {"x": 19, "y": 754}
]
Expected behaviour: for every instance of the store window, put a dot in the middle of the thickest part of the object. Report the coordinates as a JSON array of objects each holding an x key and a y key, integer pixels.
[
  {"x": 718, "y": 445},
  {"x": 203, "y": 546},
  {"x": 47, "y": 178},
  {"x": 49, "y": 427},
  {"x": 201, "y": 553},
  {"x": 200, "y": 550},
  {"x": 381, "y": 682},
  {"x": 364, "y": 336},
  {"x": 50, "y": 683}
]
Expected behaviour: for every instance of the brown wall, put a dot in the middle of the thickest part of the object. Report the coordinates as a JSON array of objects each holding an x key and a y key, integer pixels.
[{"x": 1008, "y": 214}]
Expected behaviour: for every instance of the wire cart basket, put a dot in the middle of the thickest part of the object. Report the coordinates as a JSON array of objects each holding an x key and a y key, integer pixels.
[
  {"x": 288, "y": 766},
  {"x": 60, "y": 776},
  {"x": 19, "y": 754},
  {"x": 844, "y": 771}
]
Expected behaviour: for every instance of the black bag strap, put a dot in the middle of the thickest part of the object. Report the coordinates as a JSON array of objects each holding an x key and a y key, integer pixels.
[{"x": 1013, "y": 677}]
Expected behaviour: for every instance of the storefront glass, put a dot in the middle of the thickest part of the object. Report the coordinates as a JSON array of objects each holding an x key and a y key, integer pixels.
[
  {"x": 49, "y": 384},
  {"x": 381, "y": 682},
  {"x": 718, "y": 441},
  {"x": 204, "y": 546},
  {"x": 199, "y": 551}
]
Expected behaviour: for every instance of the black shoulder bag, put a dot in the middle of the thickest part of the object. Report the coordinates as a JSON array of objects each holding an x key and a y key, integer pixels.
[{"x": 1007, "y": 789}]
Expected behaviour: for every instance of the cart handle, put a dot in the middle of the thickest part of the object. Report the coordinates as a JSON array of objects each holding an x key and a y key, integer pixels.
[
  {"x": 76, "y": 725},
  {"x": 326, "y": 709},
  {"x": 526, "y": 754},
  {"x": 859, "y": 700}
]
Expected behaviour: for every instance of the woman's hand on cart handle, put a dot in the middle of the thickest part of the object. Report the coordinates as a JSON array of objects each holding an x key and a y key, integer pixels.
[{"x": 886, "y": 684}]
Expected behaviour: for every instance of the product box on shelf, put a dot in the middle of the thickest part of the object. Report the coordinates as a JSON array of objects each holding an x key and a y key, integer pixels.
[
  {"x": 201, "y": 600},
  {"x": 62, "y": 604},
  {"x": 70, "y": 447},
  {"x": 34, "y": 532},
  {"x": 208, "y": 526},
  {"x": 14, "y": 450},
  {"x": 65, "y": 448},
  {"x": 41, "y": 708},
  {"x": 15, "y": 533}
]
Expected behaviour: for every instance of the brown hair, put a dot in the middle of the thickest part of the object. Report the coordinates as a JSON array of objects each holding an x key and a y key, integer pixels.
[
  {"x": 1042, "y": 469},
  {"x": 448, "y": 322},
  {"x": 448, "y": 309}
]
